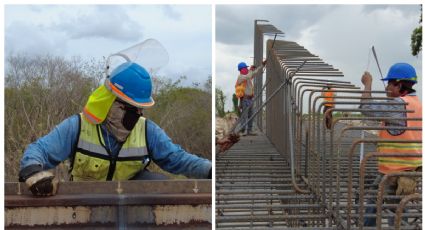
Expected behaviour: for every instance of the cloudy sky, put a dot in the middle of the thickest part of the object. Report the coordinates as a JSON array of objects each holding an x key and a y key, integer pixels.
[
  {"x": 96, "y": 31},
  {"x": 341, "y": 35}
]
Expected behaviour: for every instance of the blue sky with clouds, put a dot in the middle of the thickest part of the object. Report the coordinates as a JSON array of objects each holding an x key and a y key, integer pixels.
[
  {"x": 96, "y": 31},
  {"x": 341, "y": 35}
]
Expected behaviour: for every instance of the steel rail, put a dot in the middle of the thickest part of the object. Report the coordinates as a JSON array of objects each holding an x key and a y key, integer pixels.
[{"x": 13, "y": 201}]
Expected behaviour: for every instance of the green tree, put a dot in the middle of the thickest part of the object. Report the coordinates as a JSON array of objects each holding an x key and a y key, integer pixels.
[
  {"x": 416, "y": 38},
  {"x": 219, "y": 102},
  {"x": 235, "y": 101}
]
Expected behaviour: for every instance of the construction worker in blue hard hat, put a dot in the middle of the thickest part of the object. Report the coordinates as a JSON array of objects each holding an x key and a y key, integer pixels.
[
  {"x": 244, "y": 88},
  {"x": 110, "y": 139},
  {"x": 401, "y": 77}
]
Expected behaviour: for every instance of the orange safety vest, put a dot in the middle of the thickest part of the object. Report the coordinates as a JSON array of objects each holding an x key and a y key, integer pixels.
[
  {"x": 397, "y": 164},
  {"x": 328, "y": 97}
]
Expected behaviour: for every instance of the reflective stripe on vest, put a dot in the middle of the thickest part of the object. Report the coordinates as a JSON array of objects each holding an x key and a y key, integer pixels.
[
  {"x": 398, "y": 164},
  {"x": 93, "y": 162}
]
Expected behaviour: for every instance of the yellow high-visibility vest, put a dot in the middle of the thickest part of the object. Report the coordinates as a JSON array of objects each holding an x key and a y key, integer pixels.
[
  {"x": 398, "y": 164},
  {"x": 92, "y": 162}
]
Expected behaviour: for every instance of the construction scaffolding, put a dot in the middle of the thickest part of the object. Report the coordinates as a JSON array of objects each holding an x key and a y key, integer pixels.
[{"x": 297, "y": 174}]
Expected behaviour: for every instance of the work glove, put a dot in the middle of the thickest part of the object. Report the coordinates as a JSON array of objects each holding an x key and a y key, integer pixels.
[
  {"x": 405, "y": 185},
  {"x": 265, "y": 62},
  {"x": 40, "y": 183}
]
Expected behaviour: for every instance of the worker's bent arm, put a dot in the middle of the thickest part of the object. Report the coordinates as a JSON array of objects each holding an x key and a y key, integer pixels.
[
  {"x": 171, "y": 157},
  {"x": 55, "y": 147}
]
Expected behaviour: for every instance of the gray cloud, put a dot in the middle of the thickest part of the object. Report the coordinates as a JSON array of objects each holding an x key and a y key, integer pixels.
[
  {"x": 108, "y": 22},
  {"x": 341, "y": 35},
  {"x": 406, "y": 9},
  {"x": 31, "y": 39},
  {"x": 92, "y": 31},
  {"x": 171, "y": 12},
  {"x": 235, "y": 24}
]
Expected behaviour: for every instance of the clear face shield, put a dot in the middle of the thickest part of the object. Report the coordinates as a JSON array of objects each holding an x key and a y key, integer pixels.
[{"x": 149, "y": 54}]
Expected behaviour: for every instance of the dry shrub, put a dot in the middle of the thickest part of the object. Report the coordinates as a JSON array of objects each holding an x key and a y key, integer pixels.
[{"x": 40, "y": 92}]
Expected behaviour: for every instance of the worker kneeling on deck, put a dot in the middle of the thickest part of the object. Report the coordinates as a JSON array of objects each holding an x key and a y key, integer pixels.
[
  {"x": 401, "y": 77},
  {"x": 110, "y": 139}
]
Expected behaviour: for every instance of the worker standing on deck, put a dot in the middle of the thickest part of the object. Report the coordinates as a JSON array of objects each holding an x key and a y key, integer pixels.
[
  {"x": 328, "y": 97},
  {"x": 401, "y": 77},
  {"x": 110, "y": 139},
  {"x": 245, "y": 93}
]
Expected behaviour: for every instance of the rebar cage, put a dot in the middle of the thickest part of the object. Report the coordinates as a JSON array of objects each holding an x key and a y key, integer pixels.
[{"x": 299, "y": 173}]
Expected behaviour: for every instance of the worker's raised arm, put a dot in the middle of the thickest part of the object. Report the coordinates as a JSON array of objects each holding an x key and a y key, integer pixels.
[{"x": 257, "y": 70}]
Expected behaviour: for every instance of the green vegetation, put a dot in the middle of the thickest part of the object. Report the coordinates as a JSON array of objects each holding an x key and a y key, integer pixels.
[
  {"x": 416, "y": 38},
  {"x": 219, "y": 102},
  {"x": 235, "y": 101}
]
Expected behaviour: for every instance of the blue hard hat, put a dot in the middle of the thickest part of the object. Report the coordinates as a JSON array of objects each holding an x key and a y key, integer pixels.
[
  {"x": 131, "y": 83},
  {"x": 401, "y": 71},
  {"x": 242, "y": 65}
]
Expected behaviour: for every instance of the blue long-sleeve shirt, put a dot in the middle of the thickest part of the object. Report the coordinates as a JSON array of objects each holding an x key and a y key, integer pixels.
[{"x": 57, "y": 146}]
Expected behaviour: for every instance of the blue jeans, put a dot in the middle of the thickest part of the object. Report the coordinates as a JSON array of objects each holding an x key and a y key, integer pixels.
[
  {"x": 371, "y": 221},
  {"x": 246, "y": 103}
]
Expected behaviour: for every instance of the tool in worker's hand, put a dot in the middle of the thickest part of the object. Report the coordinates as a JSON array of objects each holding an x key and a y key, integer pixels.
[
  {"x": 268, "y": 53},
  {"x": 379, "y": 68},
  {"x": 274, "y": 40}
]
